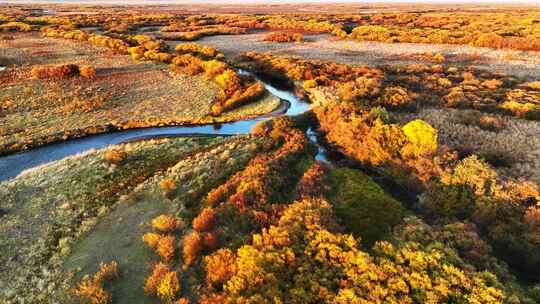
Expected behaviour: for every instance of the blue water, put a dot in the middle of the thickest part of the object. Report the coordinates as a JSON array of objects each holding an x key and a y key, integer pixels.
[{"x": 12, "y": 165}]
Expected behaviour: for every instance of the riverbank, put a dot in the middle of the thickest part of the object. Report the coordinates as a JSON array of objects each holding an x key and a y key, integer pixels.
[
  {"x": 122, "y": 94},
  {"x": 12, "y": 165},
  {"x": 69, "y": 197}
]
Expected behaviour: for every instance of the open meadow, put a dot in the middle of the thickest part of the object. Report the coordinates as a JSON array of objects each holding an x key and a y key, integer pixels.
[{"x": 277, "y": 153}]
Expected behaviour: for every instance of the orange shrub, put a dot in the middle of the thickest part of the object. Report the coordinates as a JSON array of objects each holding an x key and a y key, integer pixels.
[
  {"x": 396, "y": 96},
  {"x": 158, "y": 56},
  {"x": 284, "y": 37},
  {"x": 205, "y": 220},
  {"x": 492, "y": 123},
  {"x": 239, "y": 96},
  {"x": 15, "y": 26},
  {"x": 439, "y": 57},
  {"x": 220, "y": 266},
  {"x": 151, "y": 239},
  {"x": 91, "y": 289},
  {"x": 165, "y": 247},
  {"x": 193, "y": 69},
  {"x": 198, "y": 50},
  {"x": 533, "y": 85},
  {"x": 165, "y": 223},
  {"x": 92, "y": 292},
  {"x": 136, "y": 52},
  {"x": 192, "y": 245},
  {"x": 248, "y": 94},
  {"x": 213, "y": 299},
  {"x": 215, "y": 68},
  {"x": 152, "y": 282},
  {"x": 106, "y": 272},
  {"x": 114, "y": 156},
  {"x": 87, "y": 71},
  {"x": 168, "y": 186},
  {"x": 490, "y": 40},
  {"x": 311, "y": 183},
  {"x": 263, "y": 180},
  {"x": 55, "y": 72},
  {"x": 220, "y": 30},
  {"x": 404, "y": 154}
]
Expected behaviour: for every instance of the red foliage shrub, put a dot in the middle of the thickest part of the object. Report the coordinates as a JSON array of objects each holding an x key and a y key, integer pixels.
[
  {"x": 311, "y": 183},
  {"x": 259, "y": 183},
  {"x": 210, "y": 241},
  {"x": 213, "y": 299},
  {"x": 192, "y": 245},
  {"x": 205, "y": 220},
  {"x": 166, "y": 247},
  {"x": 55, "y": 72}
]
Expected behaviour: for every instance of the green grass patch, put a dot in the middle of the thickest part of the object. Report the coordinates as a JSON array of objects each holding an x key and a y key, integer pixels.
[{"x": 362, "y": 206}]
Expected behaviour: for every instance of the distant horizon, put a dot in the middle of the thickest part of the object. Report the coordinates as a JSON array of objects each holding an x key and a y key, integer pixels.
[{"x": 371, "y": 2}]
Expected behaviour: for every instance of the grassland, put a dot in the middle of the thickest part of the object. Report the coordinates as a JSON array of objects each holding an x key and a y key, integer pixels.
[
  {"x": 44, "y": 219},
  {"x": 123, "y": 94}
]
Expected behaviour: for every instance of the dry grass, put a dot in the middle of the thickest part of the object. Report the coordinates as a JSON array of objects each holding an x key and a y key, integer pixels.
[
  {"x": 122, "y": 95},
  {"x": 72, "y": 194},
  {"x": 510, "y": 143}
]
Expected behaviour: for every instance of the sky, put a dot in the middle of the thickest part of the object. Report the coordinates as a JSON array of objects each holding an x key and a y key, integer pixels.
[{"x": 537, "y": 2}]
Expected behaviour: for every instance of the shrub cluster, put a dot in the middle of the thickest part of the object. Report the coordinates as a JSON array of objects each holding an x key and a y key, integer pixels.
[
  {"x": 257, "y": 184},
  {"x": 467, "y": 190},
  {"x": 163, "y": 282},
  {"x": 15, "y": 26},
  {"x": 312, "y": 183},
  {"x": 495, "y": 30},
  {"x": 303, "y": 23},
  {"x": 203, "y": 32},
  {"x": 235, "y": 90},
  {"x": 324, "y": 73},
  {"x": 202, "y": 51},
  {"x": 406, "y": 152},
  {"x": 62, "y": 71},
  {"x": 303, "y": 259},
  {"x": 405, "y": 86},
  {"x": 55, "y": 72},
  {"x": 91, "y": 289},
  {"x": 100, "y": 40},
  {"x": 284, "y": 37}
]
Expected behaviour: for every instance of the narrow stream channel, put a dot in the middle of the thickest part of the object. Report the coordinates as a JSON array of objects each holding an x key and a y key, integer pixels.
[{"x": 12, "y": 165}]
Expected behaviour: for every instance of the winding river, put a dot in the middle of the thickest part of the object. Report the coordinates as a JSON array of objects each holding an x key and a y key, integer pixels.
[{"x": 12, "y": 165}]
